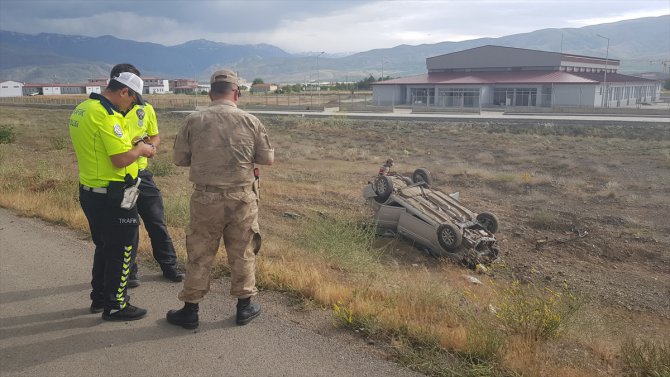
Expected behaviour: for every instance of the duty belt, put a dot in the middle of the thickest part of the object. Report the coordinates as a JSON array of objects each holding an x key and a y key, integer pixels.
[
  {"x": 218, "y": 189},
  {"x": 97, "y": 190}
]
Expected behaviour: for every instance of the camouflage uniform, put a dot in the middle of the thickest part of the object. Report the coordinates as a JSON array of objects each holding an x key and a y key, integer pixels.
[
  {"x": 385, "y": 169},
  {"x": 221, "y": 145}
]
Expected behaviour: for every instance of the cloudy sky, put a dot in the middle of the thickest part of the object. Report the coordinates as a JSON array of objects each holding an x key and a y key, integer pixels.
[{"x": 314, "y": 25}]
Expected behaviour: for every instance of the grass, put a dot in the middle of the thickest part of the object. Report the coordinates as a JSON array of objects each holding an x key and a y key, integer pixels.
[
  {"x": 341, "y": 240},
  {"x": 7, "y": 134},
  {"x": 430, "y": 317},
  {"x": 646, "y": 358},
  {"x": 162, "y": 166}
]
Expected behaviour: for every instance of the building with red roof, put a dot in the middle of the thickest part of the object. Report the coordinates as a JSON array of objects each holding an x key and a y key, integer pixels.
[{"x": 496, "y": 76}]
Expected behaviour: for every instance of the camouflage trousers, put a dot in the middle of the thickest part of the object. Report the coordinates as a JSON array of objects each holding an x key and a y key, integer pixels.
[{"x": 231, "y": 214}]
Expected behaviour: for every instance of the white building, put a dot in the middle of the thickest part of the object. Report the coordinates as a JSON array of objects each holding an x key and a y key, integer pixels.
[
  {"x": 495, "y": 76},
  {"x": 155, "y": 85},
  {"x": 11, "y": 89},
  {"x": 93, "y": 89}
]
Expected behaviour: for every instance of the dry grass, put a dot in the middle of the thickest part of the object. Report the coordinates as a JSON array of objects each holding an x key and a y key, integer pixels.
[{"x": 434, "y": 319}]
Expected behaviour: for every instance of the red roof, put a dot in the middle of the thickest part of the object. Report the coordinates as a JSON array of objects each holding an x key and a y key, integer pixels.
[
  {"x": 57, "y": 85},
  {"x": 512, "y": 77}
]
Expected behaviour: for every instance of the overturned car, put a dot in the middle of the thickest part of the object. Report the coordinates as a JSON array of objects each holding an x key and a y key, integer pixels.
[{"x": 414, "y": 209}]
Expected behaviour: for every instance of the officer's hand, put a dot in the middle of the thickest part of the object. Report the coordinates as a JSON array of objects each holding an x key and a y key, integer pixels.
[{"x": 146, "y": 150}]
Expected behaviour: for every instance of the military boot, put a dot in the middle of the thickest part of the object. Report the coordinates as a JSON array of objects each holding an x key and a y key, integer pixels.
[
  {"x": 186, "y": 317},
  {"x": 246, "y": 311}
]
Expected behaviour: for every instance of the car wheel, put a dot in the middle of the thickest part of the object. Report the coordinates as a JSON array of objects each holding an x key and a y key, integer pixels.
[
  {"x": 383, "y": 187},
  {"x": 488, "y": 221},
  {"x": 422, "y": 175},
  {"x": 449, "y": 236}
]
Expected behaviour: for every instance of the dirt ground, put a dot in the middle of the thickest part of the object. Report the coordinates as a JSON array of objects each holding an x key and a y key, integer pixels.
[{"x": 579, "y": 204}]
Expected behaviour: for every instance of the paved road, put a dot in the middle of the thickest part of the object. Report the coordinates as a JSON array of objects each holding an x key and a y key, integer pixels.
[
  {"x": 46, "y": 330},
  {"x": 405, "y": 114}
]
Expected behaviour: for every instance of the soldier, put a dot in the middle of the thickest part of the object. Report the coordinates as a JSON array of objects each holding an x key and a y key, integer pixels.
[
  {"x": 385, "y": 169},
  {"x": 221, "y": 144}
]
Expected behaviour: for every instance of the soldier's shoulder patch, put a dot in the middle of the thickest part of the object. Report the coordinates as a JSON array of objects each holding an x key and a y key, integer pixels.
[{"x": 118, "y": 131}]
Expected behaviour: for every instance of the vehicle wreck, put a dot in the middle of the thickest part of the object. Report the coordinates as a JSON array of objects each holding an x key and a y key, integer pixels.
[{"x": 414, "y": 209}]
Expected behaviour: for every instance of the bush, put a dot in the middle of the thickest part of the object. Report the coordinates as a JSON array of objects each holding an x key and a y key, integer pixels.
[
  {"x": 542, "y": 220},
  {"x": 646, "y": 358},
  {"x": 485, "y": 342},
  {"x": 537, "y": 316},
  {"x": 7, "y": 135}
]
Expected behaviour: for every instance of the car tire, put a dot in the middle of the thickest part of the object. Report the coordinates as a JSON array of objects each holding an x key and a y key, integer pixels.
[
  {"x": 422, "y": 175},
  {"x": 449, "y": 236},
  {"x": 488, "y": 221},
  {"x": 383, "y": 187}
]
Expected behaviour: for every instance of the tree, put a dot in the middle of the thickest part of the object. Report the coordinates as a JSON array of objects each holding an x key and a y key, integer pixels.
[
  {"x": 666, "y": 85},
  {"x": 365, "y": 84},
  {"x": 257, "y": 81}
]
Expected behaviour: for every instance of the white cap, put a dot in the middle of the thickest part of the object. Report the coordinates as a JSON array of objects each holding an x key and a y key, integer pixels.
[{"x": 133, "y": 82}]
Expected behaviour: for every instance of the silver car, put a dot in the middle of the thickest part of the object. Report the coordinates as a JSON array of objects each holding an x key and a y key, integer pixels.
[{"x": 417, "y": 211}]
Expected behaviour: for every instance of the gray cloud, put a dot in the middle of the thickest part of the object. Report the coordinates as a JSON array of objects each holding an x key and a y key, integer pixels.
[{"x": 332, "y": 26}]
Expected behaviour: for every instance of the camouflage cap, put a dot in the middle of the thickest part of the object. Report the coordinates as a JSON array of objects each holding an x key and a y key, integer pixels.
[{"x": 224, "y": 75}]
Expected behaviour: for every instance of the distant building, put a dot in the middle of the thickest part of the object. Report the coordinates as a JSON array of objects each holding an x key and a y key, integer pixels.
[
  {"x": 94, "y": 88},
  {"x": 180, "y": 85},
  {"x": 59, "y": 89},
  {"x": 155, "y": 85},
  {"x": 11, "y": 89},
  {"x": 494, "y": 76},
  {"x": 264, "y": 88}
]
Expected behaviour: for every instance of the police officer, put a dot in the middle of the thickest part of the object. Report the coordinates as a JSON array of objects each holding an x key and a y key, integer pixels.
[
  {"x": 107, "y": 168},
  {"x": 221, "y": 144},
  {"x": 143, "y": 126}
]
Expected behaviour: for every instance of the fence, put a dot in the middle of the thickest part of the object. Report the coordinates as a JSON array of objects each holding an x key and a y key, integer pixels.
[{"x": 292, "y": 101}]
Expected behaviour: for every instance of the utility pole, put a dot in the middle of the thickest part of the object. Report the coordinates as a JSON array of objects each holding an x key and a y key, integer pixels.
[
  {"x": 605, "y": 81},
  {"x": 383, "y": 61},
  {"x": 318, "y": 83}
]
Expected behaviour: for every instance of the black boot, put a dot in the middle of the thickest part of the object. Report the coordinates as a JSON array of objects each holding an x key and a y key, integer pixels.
[
  {"x": 97, "y": 307},
  {"x": 171, "y": 273},
  {"x": 128, "y": 313},
  {"x": 133, "y": 280},
  {"x": 246, "y": 311},
  {"x": 186, "y": 317}
]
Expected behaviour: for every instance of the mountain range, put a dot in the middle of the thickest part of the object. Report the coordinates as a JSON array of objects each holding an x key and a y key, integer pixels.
[{"x": 642, "y": 45}]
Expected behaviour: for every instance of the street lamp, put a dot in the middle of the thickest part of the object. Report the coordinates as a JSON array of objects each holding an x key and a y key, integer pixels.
[
  {"x": 607, "y": 53},
  {"x": 383, "y": 60},
  {"x": 318, "y": 84}
]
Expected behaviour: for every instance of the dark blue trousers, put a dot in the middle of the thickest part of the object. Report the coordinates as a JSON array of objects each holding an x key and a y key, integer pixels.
[
  {"x": 150, "y": 208},
  {"x": 115, "y": 233}
]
